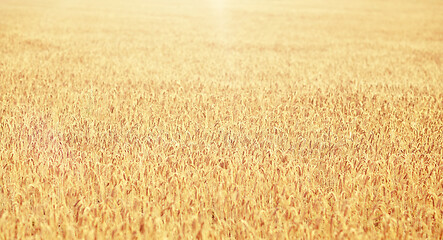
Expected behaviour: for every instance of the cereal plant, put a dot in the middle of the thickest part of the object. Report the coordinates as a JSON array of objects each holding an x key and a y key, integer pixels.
[{"x": 212, "y": 119}]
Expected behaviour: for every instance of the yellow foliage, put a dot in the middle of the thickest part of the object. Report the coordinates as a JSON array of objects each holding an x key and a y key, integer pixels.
[{"x": 221, "y": 119}]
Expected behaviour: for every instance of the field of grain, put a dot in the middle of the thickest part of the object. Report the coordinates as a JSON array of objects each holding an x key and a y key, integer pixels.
[{"x": 221, "y": 119}]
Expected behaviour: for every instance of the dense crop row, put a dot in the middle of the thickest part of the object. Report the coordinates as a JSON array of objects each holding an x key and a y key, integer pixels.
[{"x": 235, "y": 120}]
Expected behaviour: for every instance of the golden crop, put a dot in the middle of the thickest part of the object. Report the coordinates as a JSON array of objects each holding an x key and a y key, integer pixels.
[{"x": 221, "y": 119}]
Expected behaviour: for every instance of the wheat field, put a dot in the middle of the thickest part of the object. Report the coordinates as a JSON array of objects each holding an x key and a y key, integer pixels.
[{"x": 219, "y": 119}]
